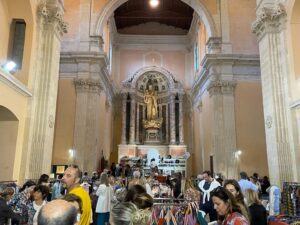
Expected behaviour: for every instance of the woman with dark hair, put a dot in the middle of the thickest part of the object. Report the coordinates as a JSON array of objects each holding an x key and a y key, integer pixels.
[
  {"x": 234, "y": 188},
  {"x": 229, "y": 210},
  {"x": 134, "y": 191},
  {"x": 20, "y": 201},
  {"x": 40, "y": 193},
  {"x": 137, "y": 195}
]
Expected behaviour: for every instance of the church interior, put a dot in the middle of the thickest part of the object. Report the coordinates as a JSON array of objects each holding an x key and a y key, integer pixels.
[{"x": 193, "y": 84}]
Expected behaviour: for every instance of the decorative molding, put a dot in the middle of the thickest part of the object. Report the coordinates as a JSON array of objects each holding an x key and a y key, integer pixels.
[
  {"x": 221, "y": 87},
  {"x": 214, "y": 45},
  {"x": 14, "y": 83},
  {"x": 52, "y": 12},
  {"x": 225, "y": 67},
  {"x": 94, "y": 64},
  {"x": 87, "y": 85},
  {"x": 270, "y": 20}
]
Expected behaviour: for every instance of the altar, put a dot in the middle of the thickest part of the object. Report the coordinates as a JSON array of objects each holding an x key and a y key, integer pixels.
[{"x": 152, "y": 121}]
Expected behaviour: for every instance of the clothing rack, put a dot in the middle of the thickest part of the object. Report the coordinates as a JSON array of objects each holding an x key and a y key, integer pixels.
[
  {"x": 8, "y": 181},
  {"x": 169, "y": 204}
]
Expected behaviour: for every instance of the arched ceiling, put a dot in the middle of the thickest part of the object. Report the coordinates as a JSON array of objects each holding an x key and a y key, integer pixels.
[{"x": 173, "y": 13}]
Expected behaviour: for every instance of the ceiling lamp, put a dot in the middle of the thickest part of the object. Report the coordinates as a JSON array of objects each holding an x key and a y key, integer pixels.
[{"x": 154, "y": 3}]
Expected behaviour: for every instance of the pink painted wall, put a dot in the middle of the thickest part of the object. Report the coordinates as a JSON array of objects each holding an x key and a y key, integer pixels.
[
  {"x": 133, "y": 60},
  {"x": 241, "y": 17}
]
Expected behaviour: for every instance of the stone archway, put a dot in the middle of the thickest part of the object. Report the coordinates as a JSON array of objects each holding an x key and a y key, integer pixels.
[
  {"x": 198, "y": 7},
  {"x": 8, "y": 140}
]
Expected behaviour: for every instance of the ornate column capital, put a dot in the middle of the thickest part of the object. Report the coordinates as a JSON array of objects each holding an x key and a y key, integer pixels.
[
  {"x": 221, "y": 87},
  {"x": 214, "y": 45},
  {"x": 51, "y": 12},
  {"x": 270, "y": 20},
  {"x": 87, "y": 85}
]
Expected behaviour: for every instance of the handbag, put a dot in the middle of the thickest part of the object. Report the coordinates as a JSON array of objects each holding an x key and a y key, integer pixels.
[{"x": 200, "y": 218}]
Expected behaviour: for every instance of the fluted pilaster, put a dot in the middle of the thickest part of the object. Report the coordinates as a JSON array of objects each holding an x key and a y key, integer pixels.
[
  {"x": 223, "y": 123},
  {"x": 172, "y": 120},
  {"x": 87, "y": 123},
  {"x": 44, "y": 83},
  {"x": 132, "y": 120},
  {"x": 124, "y": 102},
  {"x": 270, "y": 28},
  {"x": 181, "y": 137}
]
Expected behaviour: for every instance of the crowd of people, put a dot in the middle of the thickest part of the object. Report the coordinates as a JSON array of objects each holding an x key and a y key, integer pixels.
[{"x": 105, "y": 199}]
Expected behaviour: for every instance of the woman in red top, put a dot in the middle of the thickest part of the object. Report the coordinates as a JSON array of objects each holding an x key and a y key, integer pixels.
[{"x": 229, "y": 211}]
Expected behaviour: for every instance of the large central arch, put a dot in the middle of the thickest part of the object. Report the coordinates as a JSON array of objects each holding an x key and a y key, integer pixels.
[{"x": 198, "y": 7}]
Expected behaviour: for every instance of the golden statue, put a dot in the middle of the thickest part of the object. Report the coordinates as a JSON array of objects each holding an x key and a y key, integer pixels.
[{"x": 151, "y": 100}]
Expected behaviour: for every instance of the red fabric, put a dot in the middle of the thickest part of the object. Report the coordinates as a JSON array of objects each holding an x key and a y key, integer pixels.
[{"x": 277, "y": 223}]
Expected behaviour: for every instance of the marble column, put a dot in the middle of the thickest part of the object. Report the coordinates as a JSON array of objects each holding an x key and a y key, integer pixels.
[
  {"x": 223, "y": 126},
  {"x": 37, "y": 153},
  {"x": 87, "y": 154},
  {"x": 181, "y": 137},
  {"x": 205, "y": 163},
  {"x": 167, "y": 124},
  {"x": 137, "y": 138},
  {"x": 172, "y": 120},
  {"x": 124, "y": 103},
  {"x": 132, "y": 119},
  {"x": 270, "y": 28}
]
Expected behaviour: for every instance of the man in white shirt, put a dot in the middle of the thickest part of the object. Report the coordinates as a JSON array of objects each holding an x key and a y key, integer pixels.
[{"x": 207, "y": 185}]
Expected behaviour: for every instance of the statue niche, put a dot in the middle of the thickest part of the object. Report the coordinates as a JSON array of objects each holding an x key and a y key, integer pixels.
[
  {"x": 150, "y": 99},
  {"x": 152, "y": 124}
]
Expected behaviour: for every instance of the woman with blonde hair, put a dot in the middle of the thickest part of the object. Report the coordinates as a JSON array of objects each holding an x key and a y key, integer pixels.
[
  {"x": 258, "y": 213},
  {"x": 190, "y": 192},
  {"x": 127, "y": 213}
]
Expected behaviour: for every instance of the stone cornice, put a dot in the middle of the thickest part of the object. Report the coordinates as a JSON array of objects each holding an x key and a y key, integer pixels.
[
  {"x": 14, "y": 83},
  {"x": 270, "y": 20},
  {"x": 161, "y": 41},
  {"x": 94, "y": 64},
  {"x": 52, "y": 12},
  {"x": 225, "y": 67}
]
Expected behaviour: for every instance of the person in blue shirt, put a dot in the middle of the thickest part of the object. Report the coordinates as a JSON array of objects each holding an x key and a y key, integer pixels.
[{"x": 245, "y": 183}]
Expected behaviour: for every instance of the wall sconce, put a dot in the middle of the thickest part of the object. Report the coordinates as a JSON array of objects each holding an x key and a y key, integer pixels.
[
  {"x": 237, "y": 153},
  {"x": 71, "y": 153},
  {"x": 9, "y": 66}
]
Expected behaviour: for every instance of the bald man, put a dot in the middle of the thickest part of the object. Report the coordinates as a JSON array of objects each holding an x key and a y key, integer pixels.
[{"x": 58, "y": 212}]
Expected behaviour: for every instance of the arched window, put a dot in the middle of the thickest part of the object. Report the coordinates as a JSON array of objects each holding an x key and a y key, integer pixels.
[{"x": 17, "y": 41}]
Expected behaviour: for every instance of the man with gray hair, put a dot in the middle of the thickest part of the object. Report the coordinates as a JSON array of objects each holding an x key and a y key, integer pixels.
[
  {"x": 136, "y": 179},
  {"x": 58, "y": 212}
]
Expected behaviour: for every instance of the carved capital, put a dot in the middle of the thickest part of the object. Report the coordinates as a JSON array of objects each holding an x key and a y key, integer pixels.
[
  {"x": 214, "y": 45},
  {"x": 87, "y": 85},
  {"x": 221, "y": 87},
  {"x": 51, "y": 12},
  {"x": 270, "y": 20}
]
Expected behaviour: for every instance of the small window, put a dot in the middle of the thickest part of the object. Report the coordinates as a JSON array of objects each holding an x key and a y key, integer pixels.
[{"x": 17, "y": 41}]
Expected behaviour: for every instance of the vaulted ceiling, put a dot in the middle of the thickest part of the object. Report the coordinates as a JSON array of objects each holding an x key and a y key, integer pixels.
[{"x": 173, "y": 13}]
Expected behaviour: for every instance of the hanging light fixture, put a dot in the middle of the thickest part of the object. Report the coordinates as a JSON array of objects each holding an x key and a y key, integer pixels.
[{"x": 154, "y": 3}]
